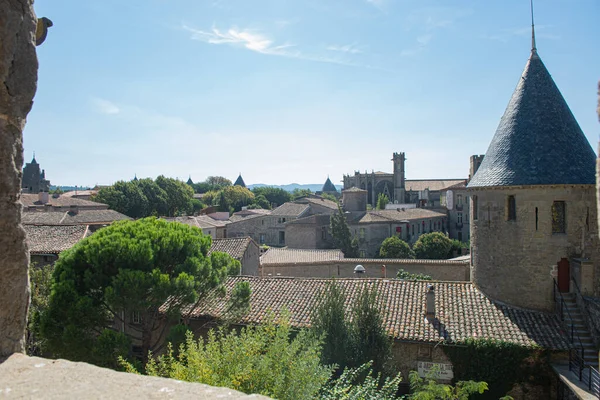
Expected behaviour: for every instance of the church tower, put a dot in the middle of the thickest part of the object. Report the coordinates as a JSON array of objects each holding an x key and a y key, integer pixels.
[
  {"x": 533, "y": 196},
  {"x": 399, "y": 178}
]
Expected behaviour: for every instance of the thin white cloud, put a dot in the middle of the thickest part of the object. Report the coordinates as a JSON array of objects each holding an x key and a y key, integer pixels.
[
  {"x": 261, "y": 43},
  {"x": 104, "y": 106},
  {"x": 424, "y": 40},
  {"x": 349, "y": 49}
]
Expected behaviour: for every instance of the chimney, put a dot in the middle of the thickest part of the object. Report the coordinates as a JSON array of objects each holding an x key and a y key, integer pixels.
[
  {"x": 43, "y": 197},
  {"x": 430, "y": 302}
]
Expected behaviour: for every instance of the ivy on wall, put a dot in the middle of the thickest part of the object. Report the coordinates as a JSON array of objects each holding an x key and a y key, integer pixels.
[{"x": 500, "y": 364}]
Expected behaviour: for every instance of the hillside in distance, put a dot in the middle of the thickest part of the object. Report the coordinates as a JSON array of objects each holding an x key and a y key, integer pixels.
[{"x": 314, "y": 187}]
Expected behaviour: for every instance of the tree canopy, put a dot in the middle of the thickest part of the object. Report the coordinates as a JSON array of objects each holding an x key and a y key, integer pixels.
[
  {"x": 382, "y": 201},
  {"x": 212, "y": 183},
  {"x": 114, "y": 286},
  {"x": 230, "y": 198},
  {"x": 342, "y": 237},
  {"x": 140, "y": 198},
  {"x": 299, "y": 193},
  {"x": 433, "y": 246},
  {"x": 275, "y": 196},
  {"x": 394, "y": 247}
]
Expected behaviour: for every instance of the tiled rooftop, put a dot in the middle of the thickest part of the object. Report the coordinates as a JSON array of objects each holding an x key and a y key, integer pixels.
[
  {"x": 284, "y": 255},
  {"x": 82, "y": 217},
  {"x": 431, "y": 184},
  {"x": 31, "y": 200},
  {"x": 291, "y": 209},
  {"x": 462, "y": 311},
  {"x": 53, "y": 239},
  {"x": 407, "y": 214},
  {"x": 538, "y": 140},
  {"x": 235, "y": 247},
  {"x": 319, "y": 201}
]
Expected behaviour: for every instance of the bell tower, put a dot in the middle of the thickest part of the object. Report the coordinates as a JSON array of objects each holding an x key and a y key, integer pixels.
[{"x": 399, "y": 177}]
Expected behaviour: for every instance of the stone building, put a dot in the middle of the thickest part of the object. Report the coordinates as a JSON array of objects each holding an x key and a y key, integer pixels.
[
  {"x": 456, "y": 201},
  {"x": 46, "y": 242},
  {"x": 533, "y": 200},
  {"x": 34, "y": 178},
  {"x": 423, "y": 192},
  {"x": 245, "y": 250},
  {"x": 214, "y": 228}
]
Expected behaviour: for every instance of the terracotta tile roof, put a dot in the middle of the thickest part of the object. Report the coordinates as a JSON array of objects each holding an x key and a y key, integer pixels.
[
  {"x": 462, "y": 311},
  {"x": 83, "y": 217},
  {"x": 235, "y": 247},
  {"x": 276, "y": 256},
  {"x": 53, "y": 239},
  {"x": 31, "y": 200},
  {"x": 291, "y": 209},
  {"x": 408, "y": 214},
  {"x": 200, "y": 221},
  {"x": 431, "y": 184}
]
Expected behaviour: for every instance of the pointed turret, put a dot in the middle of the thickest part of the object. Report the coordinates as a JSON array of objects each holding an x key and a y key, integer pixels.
[
  {"x": 538, "y": 140},
  {"x": 135, "y": 177},
  {"x": 239, "y": 181},
  {"x": 329, "y": 187},
  {"x": 189, "y": 181}
]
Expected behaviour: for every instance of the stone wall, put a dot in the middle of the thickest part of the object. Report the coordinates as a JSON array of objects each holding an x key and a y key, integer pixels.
[
  {"x": 442, "y": 270},
  {"x": 263, "y": 229},
  {"x": 512, "y": 260},
  {"x": 18, "y": 77},
  {"x": 406, "y": 356},
  {"x": 251, "y": 260}
]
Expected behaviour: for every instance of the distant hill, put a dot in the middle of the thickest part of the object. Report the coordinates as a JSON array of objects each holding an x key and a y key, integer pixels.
[
  {"x": 69, "y": 188},
  {"x": 314, "y": 187}
]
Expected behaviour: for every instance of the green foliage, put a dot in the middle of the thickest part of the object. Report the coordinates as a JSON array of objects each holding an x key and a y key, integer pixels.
[
  {"x": 502, "y": 364},
  {"x": 177, "y": 336},
  {"x": 58, "y": 190},
  {"x": 128, "y": 267},
  {"x": 429, "y": 389},
  {"x": 394, "y": 247},
  {"x": 260, "y": 201},
  {"x": 368, "y": 338},
  {"x": 382, "y": 201},
  {"x": 456, "y": 248},
  {"x": 299, "y": 193},
  {"x": 274, "y": 196},
  {"x": 144, "y": 197},
  {"x": 329, "y": 323},
  {"x": 270, "y": 359},
  {"x": 230, "y": 198},
  {"x": 212, "y": 183},
  {"x": 342, "y": 237},
  {"x": 402, "y": 274},
  {"x": 359, "y": 383},
  {"x": 432, "y": 246},
  {"x": 41, "y": 282},
  {"x": 329, "y": 196}
]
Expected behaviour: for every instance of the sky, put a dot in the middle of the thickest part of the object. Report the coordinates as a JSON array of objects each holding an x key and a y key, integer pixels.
[{"x": 292, "y": 91}]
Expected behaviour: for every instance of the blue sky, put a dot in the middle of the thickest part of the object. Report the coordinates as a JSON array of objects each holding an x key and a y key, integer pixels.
[{"x": 292, "y": 90}]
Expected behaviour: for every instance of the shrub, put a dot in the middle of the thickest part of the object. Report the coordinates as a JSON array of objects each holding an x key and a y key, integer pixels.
[
  {"x": 394, "y": 247},
  {"x": 432, "y": 246}
]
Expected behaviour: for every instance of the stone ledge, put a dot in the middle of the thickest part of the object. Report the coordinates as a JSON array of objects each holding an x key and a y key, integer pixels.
[{"x": 23, "y": 377}]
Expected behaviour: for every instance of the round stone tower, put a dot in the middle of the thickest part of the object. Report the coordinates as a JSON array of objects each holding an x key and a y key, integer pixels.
[
  {"x": 354, "y": 199},
  {"x": 533, "y": 197}
]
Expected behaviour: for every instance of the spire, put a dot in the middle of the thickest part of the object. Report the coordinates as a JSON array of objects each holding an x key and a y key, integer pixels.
[
  {"x": 33, "y": 160},
  {"x": 189, "y": 181},
  {"x": 135, "y": 177},
  {"x": 239, "y": 181},
  {"x": 533, "y": 48}
]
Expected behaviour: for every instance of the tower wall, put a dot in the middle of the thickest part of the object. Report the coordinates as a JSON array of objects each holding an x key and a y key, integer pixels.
[
  {"x": 354, "y": 200},
  {"x": 474, "y": 163},
  {"x": 512, "y": 260},
  {"x": 399, "y": 160}
]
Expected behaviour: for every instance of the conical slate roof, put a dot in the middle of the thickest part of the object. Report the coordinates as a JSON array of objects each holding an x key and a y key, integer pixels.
[
  {"x": 538, "y": 140},
  {"x": 189, "y": 181},
  {"x": 239, "y": 181},
  {"x": 329, "y": 186}
]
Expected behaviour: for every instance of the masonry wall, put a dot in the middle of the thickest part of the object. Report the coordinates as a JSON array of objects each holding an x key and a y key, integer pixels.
[
  {"x": 406, "y": 356},
  {"x": 263, "y": 229},
  {"x": 442, "y": 270},
  {"x": 251, "y": 260},
  {"x": 512, "y": 260}
]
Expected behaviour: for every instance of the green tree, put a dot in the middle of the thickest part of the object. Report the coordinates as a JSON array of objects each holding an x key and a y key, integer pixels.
[
  {"x": 299, "y": 193},
  {"x": 394, "y": 247},
  {"x": 260, "y": 201},
  {"x": 126, "y": 198},
  {"x": 360, "y": 383},
  {"x": 108, "y": 289},
  {"x": 179, "y": 196},
  {"x": 457, "y": 248},
  {"x": 428, "y": 388},
  {"x": 432, "y": 246},
  {"x": 41, "y": 282},
  {"x": 382, "y": 201},
  {"x": 342, "y": 237},
  {"x": 275, "y": 196},
  {"x": 269, "y": 359},
  {"x": 329, "y": 196},
  {"x": 368, "y": 337},
  {"x": 157, "y": 197},
  {"x": 212, "y": 183},
  {"x": 329, "y": 323},
  {"x": 402, "y": 274}
]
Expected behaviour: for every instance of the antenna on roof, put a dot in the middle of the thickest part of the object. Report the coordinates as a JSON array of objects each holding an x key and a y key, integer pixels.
[{"x": 533, "y": 48}]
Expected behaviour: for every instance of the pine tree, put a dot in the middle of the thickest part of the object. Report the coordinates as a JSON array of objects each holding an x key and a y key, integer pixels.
[{"x": 342, "y": 237}]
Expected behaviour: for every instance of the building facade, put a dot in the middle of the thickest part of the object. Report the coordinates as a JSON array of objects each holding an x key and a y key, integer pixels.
[{"x": 34, "y": 178}]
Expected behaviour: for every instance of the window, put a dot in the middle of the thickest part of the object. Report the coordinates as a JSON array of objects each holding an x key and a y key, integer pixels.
[
  {"x": 362, "y": 233},
  {"x": 324, "y": 233},
  {"x": 474, "y": 199},
  {"x": 399, "y": 230},
  {"x": 459, "y": 217},
  {"x": 511, "y": 208},
  {"x": 282, "y": 219},
  {"x": 558, "y": 217},
  {"x": 460, "y": 236},
  {"x": 536, "y": 218},
  {"x": 430, "y": 225},
  {"x": 136, "y": 317},
  {"x": 459, "y": 199},
  {"x": 362, "y": 254},
  {"x": 281, "y": 237},
  {"x": 413, "y": 229},
  {"x": 262, "y": 238}
]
